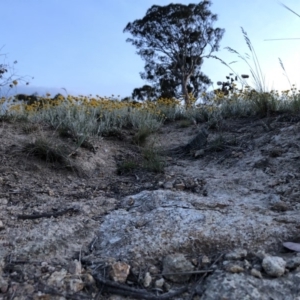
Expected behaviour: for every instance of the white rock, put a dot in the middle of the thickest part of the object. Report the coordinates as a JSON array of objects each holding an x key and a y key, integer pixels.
[
  {"x": 75, "y": 267},
  {"x": 74, "y": 284},
  {"x": 159, "y": 283},
  {"x": 119, "y": 271},
  {"x": 57, "y": 278},
  {"x": 274, "y": 265},
  {"x": 147, "y": 279},
  {"x": 255, "y": 273}
]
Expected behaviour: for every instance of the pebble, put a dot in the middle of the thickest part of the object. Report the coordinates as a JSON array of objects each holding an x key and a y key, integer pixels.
[
  {"x": 236, "y": 254},
  {"x": 147, "y": 279},
  {"x": 274, "y": 266}
]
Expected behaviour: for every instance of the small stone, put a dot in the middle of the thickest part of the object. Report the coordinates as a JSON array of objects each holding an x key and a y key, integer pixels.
[
  {"x": 174, "y": 267},
  {"x": 160, "y": 183},
  {"x": 279, "y": 206},
  {"x": 255, "y": 273},
  {"x": 1, "y": 225},
  {"x": 247, "y": 264},
  {"x": 42, "y": 296},
  {"x": 44, "y": 264},
  {"x": 257, "y": 267},
  {"x": 75, "y": 267},
  {"x": 194, "y": 261},
  {"x": 147, "y": 279},
  {"x": 199, "y": 153},
  {"x": 179, "y": 186},
  {"x": 51, "y": 192},
  {"x": 293, "y": 263},
  {"x": 44, "y": 267},
  {"x": 89, "y": 282},
  {"x": 234, "y": 268},
  {"x": 261, "y": 254},
  {"x": 153, "y": 270},
  {"x": 119, "y": 271},
  {"x": 74, "y": 284},
  {"x": 168, "y": 185},
  {"x": 57, "y": 278},
  {"x": 205, "y": 260},
  {"x": 159, "y": 283},
  {"x": 274, "y": 265},
  {"x": 236, "y": 254}
]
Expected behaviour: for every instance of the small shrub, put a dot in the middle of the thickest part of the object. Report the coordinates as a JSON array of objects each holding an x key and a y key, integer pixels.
[
  {"x": 141, "y": 136},
  {"x": 126, "y": 166},
  {"x": 185, "y": 123},
  {"x": 152, "y": 160},
  {"x": 218, "y": 144},
  {"x": 44, "y": 150},
  {"x": 29, "y": 128},
  {"x": 264, "y": 104}
]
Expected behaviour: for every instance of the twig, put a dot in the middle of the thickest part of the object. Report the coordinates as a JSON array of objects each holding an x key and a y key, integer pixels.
[
  {"x": 52, "y": 291},
  {"x": 48, "y": 215},
  {"x": 123, "y": 290},
  {"x": 183, "y": 273},
  {"x": 197, "y": 288}
]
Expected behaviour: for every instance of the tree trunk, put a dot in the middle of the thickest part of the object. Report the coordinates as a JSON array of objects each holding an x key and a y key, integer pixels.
[{"x": 185, "y": 91}]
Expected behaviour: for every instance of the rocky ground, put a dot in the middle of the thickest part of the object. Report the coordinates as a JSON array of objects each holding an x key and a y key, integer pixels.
[{"x": 211, "y": 226}]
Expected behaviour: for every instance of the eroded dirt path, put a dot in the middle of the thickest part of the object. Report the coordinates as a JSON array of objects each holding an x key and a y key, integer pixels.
[{"x": 49, "y": 216}]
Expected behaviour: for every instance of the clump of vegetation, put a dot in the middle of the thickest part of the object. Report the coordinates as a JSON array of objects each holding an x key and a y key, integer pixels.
[
  {"x": 141, "y": 136},
  {"x": 186, "y": 123},
  {"x": 46, "y": 151},
  {"x": 29, "y": 128},
  {"x": 152, "y": 160},
  {"x": 126, "y": 166}
]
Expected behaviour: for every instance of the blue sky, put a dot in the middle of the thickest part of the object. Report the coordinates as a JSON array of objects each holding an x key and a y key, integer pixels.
[{"x": 79, "y": 45}]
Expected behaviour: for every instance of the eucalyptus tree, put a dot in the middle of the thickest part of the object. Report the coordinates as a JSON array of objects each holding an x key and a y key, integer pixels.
[{"x": 174, "y": 40}]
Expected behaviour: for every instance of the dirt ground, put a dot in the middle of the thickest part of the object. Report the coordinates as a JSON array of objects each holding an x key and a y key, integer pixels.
[{"x": 49, "y": 214}]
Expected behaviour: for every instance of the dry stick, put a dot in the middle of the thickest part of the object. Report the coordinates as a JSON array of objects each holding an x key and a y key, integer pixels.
[
  {"x": 194, "y": 289},
  {"x": 123, "y": 290},
  {"x": 53, "y": 291},
  {"x": 184, "y": 273},
  {"x": 48, "y": 215}
]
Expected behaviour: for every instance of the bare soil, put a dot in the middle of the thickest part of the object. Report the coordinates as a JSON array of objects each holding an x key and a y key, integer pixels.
[{"x": 50, "y": 212}]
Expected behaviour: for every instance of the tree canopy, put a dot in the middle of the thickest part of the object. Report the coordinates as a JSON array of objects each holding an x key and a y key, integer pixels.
[{"x": 174, "y": 40}]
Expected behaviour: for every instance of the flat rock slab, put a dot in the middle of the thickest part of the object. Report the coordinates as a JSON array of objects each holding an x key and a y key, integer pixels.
[
  {"x": 152, "y": 224},
  {"x": 223, "y": 285}
]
